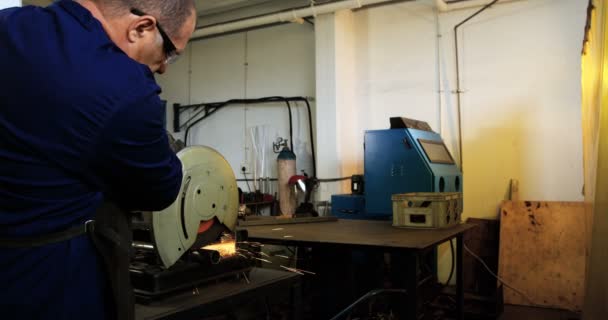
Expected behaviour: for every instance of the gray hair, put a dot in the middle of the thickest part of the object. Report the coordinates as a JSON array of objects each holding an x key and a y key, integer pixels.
[{"x": 171, "y": 14}]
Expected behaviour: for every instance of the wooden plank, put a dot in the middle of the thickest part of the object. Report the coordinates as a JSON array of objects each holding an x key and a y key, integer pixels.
[
  {"x": 514, "y": 192},
  {"x": 542, "y": 253}
]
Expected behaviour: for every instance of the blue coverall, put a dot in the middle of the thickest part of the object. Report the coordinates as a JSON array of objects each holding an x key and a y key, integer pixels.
[{"x": 80, "y": 123}]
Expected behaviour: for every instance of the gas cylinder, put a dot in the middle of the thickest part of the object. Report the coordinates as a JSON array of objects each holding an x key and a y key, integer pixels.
[{"x": 287, "y": 168}]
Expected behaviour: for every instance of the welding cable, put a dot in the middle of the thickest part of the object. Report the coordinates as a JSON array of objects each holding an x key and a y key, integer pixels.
[
  {"x": 310, "y": 130},
  {"x": 202, "y": 109},
  {"x": 218, "y": 105},
  {"x": 247, "y": 180},
  {"x": 290, "y": 126},
  {"x": 286, "y": 100},
  {"x": 190, "y": 125},
  {"x": 312, "y": 140},
  {"x": 334, "y": 179},
  {"x": 366, "y": 296},
  {"x": 499, "y": 278}
]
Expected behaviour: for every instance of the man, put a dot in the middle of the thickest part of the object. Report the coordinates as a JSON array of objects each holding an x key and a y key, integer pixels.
[{"x": 81, "y": 124}]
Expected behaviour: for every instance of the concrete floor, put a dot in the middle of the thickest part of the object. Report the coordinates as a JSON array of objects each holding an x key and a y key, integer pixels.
[{"x": 525, "y": 313}]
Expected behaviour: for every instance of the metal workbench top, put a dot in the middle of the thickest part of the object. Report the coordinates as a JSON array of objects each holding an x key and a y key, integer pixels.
[{"x": 356, "y": 233}]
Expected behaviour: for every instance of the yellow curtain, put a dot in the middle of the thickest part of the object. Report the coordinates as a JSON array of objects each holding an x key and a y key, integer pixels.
[
  {"x": 593, "y": 69},
  {"x": 595, "y": 144}
]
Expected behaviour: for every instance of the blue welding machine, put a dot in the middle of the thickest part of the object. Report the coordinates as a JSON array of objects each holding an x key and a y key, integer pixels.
[{"x": 409, "y": 157}]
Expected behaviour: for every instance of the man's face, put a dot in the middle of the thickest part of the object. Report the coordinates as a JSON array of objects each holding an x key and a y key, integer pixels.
[{"x": 149, "y": 47}]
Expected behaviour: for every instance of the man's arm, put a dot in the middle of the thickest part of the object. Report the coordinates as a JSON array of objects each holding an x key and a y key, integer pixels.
[{"x": 134, "y": 160}]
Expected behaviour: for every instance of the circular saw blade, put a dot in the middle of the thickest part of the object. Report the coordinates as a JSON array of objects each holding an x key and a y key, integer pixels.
[{"x": 208, "y": 191}]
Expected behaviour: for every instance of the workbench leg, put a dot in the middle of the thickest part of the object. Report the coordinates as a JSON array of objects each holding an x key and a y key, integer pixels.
[
  {"x": 296, "y": 301},
  {"x": 411, "y": 286},
  {"x": 459, "y": 279}
]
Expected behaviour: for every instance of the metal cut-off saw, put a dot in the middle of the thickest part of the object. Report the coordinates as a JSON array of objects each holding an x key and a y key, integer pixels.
[{"x": 207, "y": 206}]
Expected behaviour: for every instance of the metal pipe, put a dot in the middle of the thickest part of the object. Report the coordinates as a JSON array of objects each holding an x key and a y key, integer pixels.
[
  {"x": 205, "y": 255},
  {"x": 459, "y": 278},
  {"x": 142, "y": 245},
  {"x": 282, "y": 17},
  {"x": 458, "y": 89},
  {"x": 444, "y": 6},
  {"x": 438, "y": 68}
]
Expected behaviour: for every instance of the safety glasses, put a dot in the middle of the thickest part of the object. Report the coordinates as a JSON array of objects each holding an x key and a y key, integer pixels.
[{"x": 169, "y": 48}]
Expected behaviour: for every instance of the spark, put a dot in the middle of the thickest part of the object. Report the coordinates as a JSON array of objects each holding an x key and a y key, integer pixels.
[
  {"x": 253, "y": 244},
  {"x": 292, "y": 270},
  {"x": 226, "y": 249},
  {"x": 309, "y": 272},
  {"x": 264, "y": 260},
  {"x": 298, "y": 271}
]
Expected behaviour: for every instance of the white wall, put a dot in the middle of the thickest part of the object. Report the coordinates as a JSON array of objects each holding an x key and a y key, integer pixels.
[
  {"x": 520, "y": 73},
  {"x": 10, "y": 3},
  {"x": 521, "y": 110},
  {"x": 275, "y": 61},
  {"x": 520, "y": 70},
  {"x": 335, "y": 93}
]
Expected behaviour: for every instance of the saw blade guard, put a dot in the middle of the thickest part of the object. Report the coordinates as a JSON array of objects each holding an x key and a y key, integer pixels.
[{"x": 209, "y": 191}]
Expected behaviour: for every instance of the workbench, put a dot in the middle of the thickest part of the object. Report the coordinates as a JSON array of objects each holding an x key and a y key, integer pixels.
[
  {"x": 377, "y": 236},
  {"x": 225, "y": 298}
]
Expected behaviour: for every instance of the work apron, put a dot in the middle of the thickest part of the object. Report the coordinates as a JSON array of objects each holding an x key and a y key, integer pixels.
[{"x": 111, "y": 235}]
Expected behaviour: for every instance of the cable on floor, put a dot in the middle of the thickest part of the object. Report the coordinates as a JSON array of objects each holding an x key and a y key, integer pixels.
[{"x": 501, "y": 280}]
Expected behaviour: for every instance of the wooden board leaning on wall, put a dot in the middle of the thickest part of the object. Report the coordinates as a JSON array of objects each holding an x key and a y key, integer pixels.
[{"x": 543, "y": 248}]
